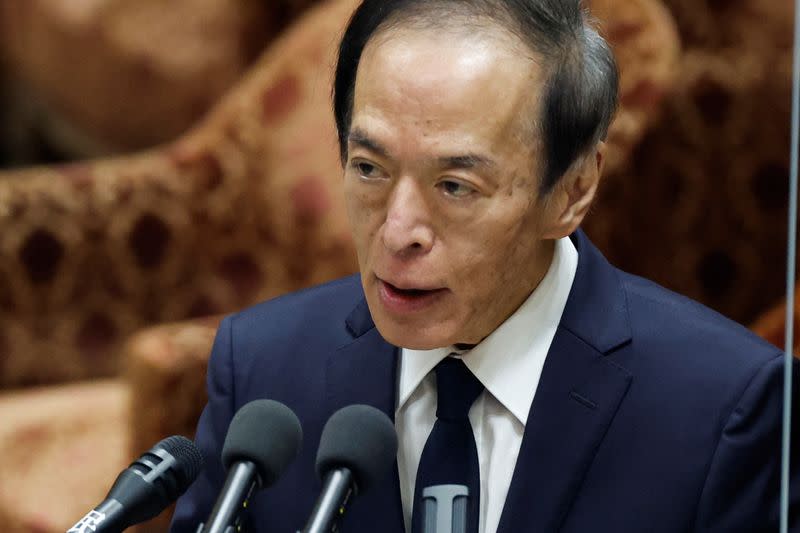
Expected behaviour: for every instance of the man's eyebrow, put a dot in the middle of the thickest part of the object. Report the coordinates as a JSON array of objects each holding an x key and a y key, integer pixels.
[
  {"x": 466, "y": 161},
  {"x": 360, "y": 138}
]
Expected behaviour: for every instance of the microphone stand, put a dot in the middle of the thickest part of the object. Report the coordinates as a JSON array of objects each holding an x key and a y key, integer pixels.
[
  {"x": 336, "y": 491},
  {"x": 225, "y": 514}
]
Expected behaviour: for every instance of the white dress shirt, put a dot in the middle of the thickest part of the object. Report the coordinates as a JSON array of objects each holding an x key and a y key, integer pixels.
[{"x": 509, "y": 363}]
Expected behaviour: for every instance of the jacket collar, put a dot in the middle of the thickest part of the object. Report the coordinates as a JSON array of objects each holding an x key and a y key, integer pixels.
[{"x": 597, "y": 307}]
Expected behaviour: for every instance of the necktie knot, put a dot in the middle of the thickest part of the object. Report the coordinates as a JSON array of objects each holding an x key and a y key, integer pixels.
[{"x": 457, "y": 389}]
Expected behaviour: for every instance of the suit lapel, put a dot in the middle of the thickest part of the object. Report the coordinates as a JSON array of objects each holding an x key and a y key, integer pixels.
[
  {"x": 364, "y": 372},
  {"x": 579, "y": 393}
]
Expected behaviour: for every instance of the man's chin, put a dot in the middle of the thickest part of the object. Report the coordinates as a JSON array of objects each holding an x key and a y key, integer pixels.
[{"x": 414, "y": 338}]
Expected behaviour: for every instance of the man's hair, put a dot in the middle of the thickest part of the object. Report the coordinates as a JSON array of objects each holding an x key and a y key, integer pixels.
[{"x": 580, "y": 94}]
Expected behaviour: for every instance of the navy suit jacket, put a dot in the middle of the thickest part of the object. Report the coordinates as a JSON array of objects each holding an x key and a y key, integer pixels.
[{"x": 653, "y": 413}]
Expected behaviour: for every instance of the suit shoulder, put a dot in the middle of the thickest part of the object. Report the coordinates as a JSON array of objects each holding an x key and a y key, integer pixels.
[
  {"x": 674, "y": 326},
  {"x": 320, "y": 311}
]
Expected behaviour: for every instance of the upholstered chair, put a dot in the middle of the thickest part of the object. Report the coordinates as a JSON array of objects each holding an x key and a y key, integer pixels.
[
  {"x": 100, "y": 77},
  {"x": 704, "y": 195}
]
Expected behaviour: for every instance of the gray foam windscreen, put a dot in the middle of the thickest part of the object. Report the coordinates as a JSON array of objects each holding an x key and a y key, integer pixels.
[
  {"x": 360, "y": 438},
  {"x": 266, "y": 433}
]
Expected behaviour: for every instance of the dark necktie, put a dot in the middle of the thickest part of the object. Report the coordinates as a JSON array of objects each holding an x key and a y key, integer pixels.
[{"x": 450, "y": 456}]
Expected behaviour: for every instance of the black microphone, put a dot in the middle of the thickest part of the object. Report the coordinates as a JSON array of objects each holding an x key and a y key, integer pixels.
[
  {"x": 358, "y": 446},
  {"x": 146, "y": 487},
  {"x": 263, "y": 438}
]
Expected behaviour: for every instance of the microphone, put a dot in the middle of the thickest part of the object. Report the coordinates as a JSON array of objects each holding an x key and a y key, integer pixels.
[
  {"x": 357, "y": 447},
  {"x": 263, "y": 438},
  {"x": 146, "y": 487}
]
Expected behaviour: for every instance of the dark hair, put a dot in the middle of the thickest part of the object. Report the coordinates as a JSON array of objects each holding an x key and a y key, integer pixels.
[{"x": 580, "y": 96}]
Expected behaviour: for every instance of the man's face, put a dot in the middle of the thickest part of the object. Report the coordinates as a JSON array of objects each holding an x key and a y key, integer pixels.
[{"x": 442, "y": 184}]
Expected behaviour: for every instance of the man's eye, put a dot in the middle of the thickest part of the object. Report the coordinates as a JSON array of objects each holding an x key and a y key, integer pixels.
[
  {"x": 366, "y": 170},
  {"x": 456, "y": 189}
]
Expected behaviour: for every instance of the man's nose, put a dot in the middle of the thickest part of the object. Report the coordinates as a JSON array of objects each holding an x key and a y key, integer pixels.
[{"x": 407, "y": 228}]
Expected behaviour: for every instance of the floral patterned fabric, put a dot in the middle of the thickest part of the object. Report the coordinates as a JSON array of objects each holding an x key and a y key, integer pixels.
[
  {"x": 61, "y": 447},
  {"x": 113, "y": 76},
  {"x": 701, "y": 205},
  {"x": 244, "y": 207}
]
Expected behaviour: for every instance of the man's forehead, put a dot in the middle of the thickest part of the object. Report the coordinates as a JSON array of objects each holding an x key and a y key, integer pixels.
[
  {"x": 453, "y": 59},
  {"x": 472, "y": 38},
  {"x": 452, "y": 19},
  {"x": 452, "y": 103},
  {"x": 434, "y": 70}
]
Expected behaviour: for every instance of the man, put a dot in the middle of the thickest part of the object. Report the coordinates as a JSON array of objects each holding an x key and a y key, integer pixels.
[{"x": 472, "y": 140}]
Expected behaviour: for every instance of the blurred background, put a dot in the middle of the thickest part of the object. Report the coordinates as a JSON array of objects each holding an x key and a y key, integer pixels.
[{"x": 163, "y": 162}]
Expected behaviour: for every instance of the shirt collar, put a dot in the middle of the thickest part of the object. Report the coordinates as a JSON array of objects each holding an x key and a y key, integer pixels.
[{"x": 509, "y": 361}]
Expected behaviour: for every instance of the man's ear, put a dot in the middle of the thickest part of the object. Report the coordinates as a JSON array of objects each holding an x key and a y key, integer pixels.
[{"x": 575, "y": 193}]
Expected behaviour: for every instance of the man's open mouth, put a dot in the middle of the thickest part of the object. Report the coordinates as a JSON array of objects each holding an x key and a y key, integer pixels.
[
  {"x": 407, "y": 299},
  {"x": 408, "y": 292}
]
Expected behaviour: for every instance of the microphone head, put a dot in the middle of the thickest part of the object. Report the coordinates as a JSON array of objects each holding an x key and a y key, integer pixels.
[
  {"x": 361, "y": 439},
  {"x": 153, "y": 481},
  {"x": 266, "y": 433},
  {"x": 187, "y": 466}
]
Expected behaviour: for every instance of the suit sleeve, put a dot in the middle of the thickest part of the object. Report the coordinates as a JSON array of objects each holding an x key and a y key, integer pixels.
[
  {"x": 195, "y": 505},
  {"x": 742, "y": 488}
]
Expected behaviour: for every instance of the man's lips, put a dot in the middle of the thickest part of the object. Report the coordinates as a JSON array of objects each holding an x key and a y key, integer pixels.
[
  {"x": 407, "y": 298},
  {"x": 410, "y": 286}
]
